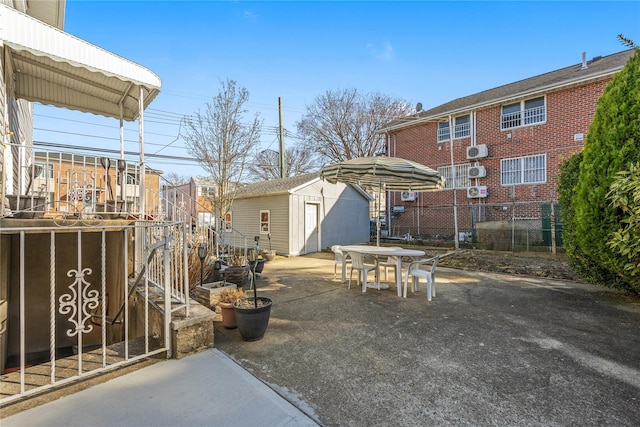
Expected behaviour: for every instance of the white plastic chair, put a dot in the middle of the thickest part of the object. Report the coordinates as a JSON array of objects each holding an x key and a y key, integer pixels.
[
  {"x": 340, "y": 258},
  {"x": 390, "y": 262},
  {"x": 416, "y": 272},
  {"x": 358, "y": 263}
]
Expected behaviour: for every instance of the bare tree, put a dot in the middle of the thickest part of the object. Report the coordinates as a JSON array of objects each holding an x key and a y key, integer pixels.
[
  {"x": 222, "y": 141},
  {"x": 174, "y": 179},
  {"x": 341, "y": 125},
  {"x": 298, "y": 160}
]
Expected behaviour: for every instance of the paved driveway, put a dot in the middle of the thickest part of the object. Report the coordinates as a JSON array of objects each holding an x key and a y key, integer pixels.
[{"x": 488, "y": 350}]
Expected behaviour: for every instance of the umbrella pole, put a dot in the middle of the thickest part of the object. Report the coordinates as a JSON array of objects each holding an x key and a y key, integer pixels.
[{"x": 378, "y": 215}]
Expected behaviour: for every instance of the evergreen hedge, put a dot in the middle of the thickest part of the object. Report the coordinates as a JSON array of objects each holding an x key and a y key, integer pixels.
[{"x": 612, "y": 144}]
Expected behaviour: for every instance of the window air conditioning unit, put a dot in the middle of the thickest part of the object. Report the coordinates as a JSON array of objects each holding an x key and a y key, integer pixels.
[
  {"x": 477, "y": 172},
  {"x": 477, "y": 192},
  {"x": 477, "y": 151},
  {"x": 408, "y": 196}
]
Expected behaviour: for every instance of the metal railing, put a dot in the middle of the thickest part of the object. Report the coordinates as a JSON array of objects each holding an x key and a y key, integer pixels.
[
  {"x": 522, "y": 118},
  {"x": 80, "y": 189},
  {"x": 461, "y": 130},
  {"x": 78, "y": 304}
]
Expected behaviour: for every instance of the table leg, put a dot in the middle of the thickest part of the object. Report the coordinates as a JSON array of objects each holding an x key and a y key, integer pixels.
[
  {"x": 344, "y": 269},
  {"x": 399, "y": 276}
]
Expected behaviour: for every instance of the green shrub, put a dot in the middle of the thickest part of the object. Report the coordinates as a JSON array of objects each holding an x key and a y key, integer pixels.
[
  {"x": 612, "y": 143},
  {"x": 625, "y": 241}
]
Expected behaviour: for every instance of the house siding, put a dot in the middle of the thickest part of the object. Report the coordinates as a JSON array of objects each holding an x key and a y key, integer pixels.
[
  {"x": 246, "y": 219},
  {"x": 343, "y": 214}
]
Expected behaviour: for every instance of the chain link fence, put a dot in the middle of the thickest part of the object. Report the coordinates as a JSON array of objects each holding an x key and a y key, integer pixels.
[{"x": 519, "y": 226}]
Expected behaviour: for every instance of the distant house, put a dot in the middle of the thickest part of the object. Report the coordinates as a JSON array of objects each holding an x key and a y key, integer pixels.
[
  {"x": 303, "y": 214},
  {"x": 191, "y": 201},
  {"x": 64, "y": 176},
  {"x": 505, "y": 145}
]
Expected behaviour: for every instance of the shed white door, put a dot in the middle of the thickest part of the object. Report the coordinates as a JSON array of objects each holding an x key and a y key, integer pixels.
[{"x": 311, "y": 228}]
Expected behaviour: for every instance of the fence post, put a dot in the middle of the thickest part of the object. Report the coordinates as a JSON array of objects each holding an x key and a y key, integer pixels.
[
  {"x": 553, "y": 229},
  {"x": 167, "y": 293}
]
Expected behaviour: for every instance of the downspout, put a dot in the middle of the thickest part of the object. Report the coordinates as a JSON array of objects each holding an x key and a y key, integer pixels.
[
  {"x": 453, "y": 179},
  {"x": 388, "y": 194}
]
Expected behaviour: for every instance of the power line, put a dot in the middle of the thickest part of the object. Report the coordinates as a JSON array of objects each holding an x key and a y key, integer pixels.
[{"x": 109, "y": 150}]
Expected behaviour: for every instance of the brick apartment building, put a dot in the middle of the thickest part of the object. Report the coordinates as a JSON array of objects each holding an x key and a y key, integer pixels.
[{"x": 508, "y": 144}]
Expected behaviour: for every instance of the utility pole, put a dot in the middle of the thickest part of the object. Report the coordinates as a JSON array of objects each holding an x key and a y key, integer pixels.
[{"x": 282, "y": 163}]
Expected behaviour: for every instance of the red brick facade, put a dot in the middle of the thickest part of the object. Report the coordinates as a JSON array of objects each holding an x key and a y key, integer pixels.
[{"x": 569, "y": 112}]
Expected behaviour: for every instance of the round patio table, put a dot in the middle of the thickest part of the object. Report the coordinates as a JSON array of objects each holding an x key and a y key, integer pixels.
[{"x": 376, "y": 251}]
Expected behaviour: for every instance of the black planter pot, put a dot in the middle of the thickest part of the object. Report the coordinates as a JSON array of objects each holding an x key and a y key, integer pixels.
[
  {"x": 252, "y": 322},
  {"x": 259, "y": 265}
]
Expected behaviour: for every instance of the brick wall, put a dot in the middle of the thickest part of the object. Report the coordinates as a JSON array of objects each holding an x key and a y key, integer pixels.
[{"x": 569, "y": 111}]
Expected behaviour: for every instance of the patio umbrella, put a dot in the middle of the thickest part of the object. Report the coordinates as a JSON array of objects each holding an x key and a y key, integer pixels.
[{"x": 392, "y": 173}]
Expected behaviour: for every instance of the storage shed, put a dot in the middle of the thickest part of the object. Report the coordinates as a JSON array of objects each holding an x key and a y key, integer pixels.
[{"x": 303, "y": 214}]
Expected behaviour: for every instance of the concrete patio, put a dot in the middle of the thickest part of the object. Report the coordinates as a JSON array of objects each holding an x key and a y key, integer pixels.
[{"x": 490, "y": 349}]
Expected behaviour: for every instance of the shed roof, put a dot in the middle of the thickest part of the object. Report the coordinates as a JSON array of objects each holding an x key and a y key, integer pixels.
[
  {"x": 56, "y": 68},
  {"x": 596, "y": 68},
  {"x": 276, "y": 186},
  {"x": 283, "y": 186}
]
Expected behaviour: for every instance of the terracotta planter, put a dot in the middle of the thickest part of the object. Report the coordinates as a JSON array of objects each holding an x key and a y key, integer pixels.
[{"x": 228, "y": 315}]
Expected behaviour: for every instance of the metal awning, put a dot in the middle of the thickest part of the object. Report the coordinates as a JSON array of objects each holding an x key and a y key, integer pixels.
[{"x": 56, "y": 68}]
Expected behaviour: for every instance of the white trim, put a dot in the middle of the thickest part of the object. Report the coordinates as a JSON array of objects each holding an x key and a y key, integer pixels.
[
  {"x": 80, "y": 76},
  {"x": 260, "y": 222}
]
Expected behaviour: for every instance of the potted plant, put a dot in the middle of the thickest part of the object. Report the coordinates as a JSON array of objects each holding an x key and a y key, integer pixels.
[
  {"x": 26, "y": 205},
  {"x": 237, "y": 270},
  {"x": 227, "y": 298},
  {"x": 252, "y": 313},
  {"x": 269, "y": 255}
]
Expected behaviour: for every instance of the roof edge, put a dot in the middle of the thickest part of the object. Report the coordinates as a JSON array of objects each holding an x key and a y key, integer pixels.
[{"x": 541, "y": 89}]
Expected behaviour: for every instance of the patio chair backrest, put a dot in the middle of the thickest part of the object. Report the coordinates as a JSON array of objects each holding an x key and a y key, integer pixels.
[
  {"x": 339, "y": 255},
  {"x": 433, "y": 268}
]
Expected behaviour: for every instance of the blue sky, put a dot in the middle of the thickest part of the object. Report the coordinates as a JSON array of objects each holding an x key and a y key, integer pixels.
[{"x": 420, "y": 51}]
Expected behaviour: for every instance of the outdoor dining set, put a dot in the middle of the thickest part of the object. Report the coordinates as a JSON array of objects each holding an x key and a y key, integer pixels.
[{"x": 365, "y": 259}]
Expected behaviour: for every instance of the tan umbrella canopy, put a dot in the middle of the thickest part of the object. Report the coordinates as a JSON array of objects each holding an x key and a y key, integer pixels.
[{"x": 392, "y": 173}]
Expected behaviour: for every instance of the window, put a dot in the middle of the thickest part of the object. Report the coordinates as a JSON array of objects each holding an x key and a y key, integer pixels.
[
  {"x": 206, "y": 191},
  {"x": 46, "y": 171},
  {"x": 228, "y": 222},
  {"x": 443, "y": 131},
  {"x": 265, "y": 222},
  {"x": 461, "y": 128},
  {"x": 462, "y": 176},
  {"x": 132, "y": 179},
  {"x": 524, "y": 170},
  {"x": 523, "y": 113}
]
